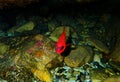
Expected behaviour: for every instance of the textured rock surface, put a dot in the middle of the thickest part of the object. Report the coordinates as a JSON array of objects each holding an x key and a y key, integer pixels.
[
  {"x": 98, "y": 44},
  {"x": 113, "y": 79},
  {"x": 3, "y": 48},
  {"x": 79, "y": 56},
  {"x": 43, "y": 54},
  {"x": 115, "y": 56},
  {"x": 35, "y": 53},
  {"x": 25, "y": 27},
  {"x": 98, "y": 75},
  {"x": 114, "y": 32}
]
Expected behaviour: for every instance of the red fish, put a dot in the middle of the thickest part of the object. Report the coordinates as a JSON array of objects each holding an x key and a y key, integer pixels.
[{"x": 61, "y": 43}]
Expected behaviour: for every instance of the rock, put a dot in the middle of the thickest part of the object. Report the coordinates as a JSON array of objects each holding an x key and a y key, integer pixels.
[
  {"x": 115, "y": 54},
  {"x": 43, "y": 75},
  {"x": 114, "y": 65},
  {"x": 26, "y": 27},
  {"x": 98, "y": 75},
  {"x": 3, "y": 48},
  {"x": 98, "y": 44},
  {"x": 112, "y": 79},
  {"x": 57, "y": 32},
  {"x": 113, "y": 32},
  {"x": 110, "y": 72},
  {"x": 36, "y": 54},
  {"x": 97, "y": 58},
  {"x": 43, "y": 57},
  {"x": 101, "y": 75},
  {"x": 55, "y": 62},
  {"x": 2, "y": 80},
  {"x": 79, "y": 56},
  {"x": 51, "y": 26}
]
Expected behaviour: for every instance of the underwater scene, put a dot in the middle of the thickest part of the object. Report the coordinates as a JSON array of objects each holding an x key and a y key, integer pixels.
[{"x": 59, "y": 41}]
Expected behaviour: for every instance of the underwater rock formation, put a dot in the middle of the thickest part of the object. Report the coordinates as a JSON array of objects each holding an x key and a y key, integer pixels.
[
  {"x": 79, "y": 56},
  {"x": 35, "y": 53}
]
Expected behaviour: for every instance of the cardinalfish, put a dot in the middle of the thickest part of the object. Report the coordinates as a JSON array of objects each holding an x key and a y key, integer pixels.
[{"x": 62, "y": 44}]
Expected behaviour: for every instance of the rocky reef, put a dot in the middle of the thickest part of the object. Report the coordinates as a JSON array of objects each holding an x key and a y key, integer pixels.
[{"x": 28, "y": 43}]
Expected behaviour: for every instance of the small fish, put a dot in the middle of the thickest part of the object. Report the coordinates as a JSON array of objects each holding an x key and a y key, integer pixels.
[{"x": 61, "y": 43}]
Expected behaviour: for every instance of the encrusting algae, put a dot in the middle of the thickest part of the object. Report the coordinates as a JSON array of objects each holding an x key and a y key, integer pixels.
[
  {"x": 43, "y": 53},
  {"x": 43, "y": 75},
  {"x": 34, "y": 53}
]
